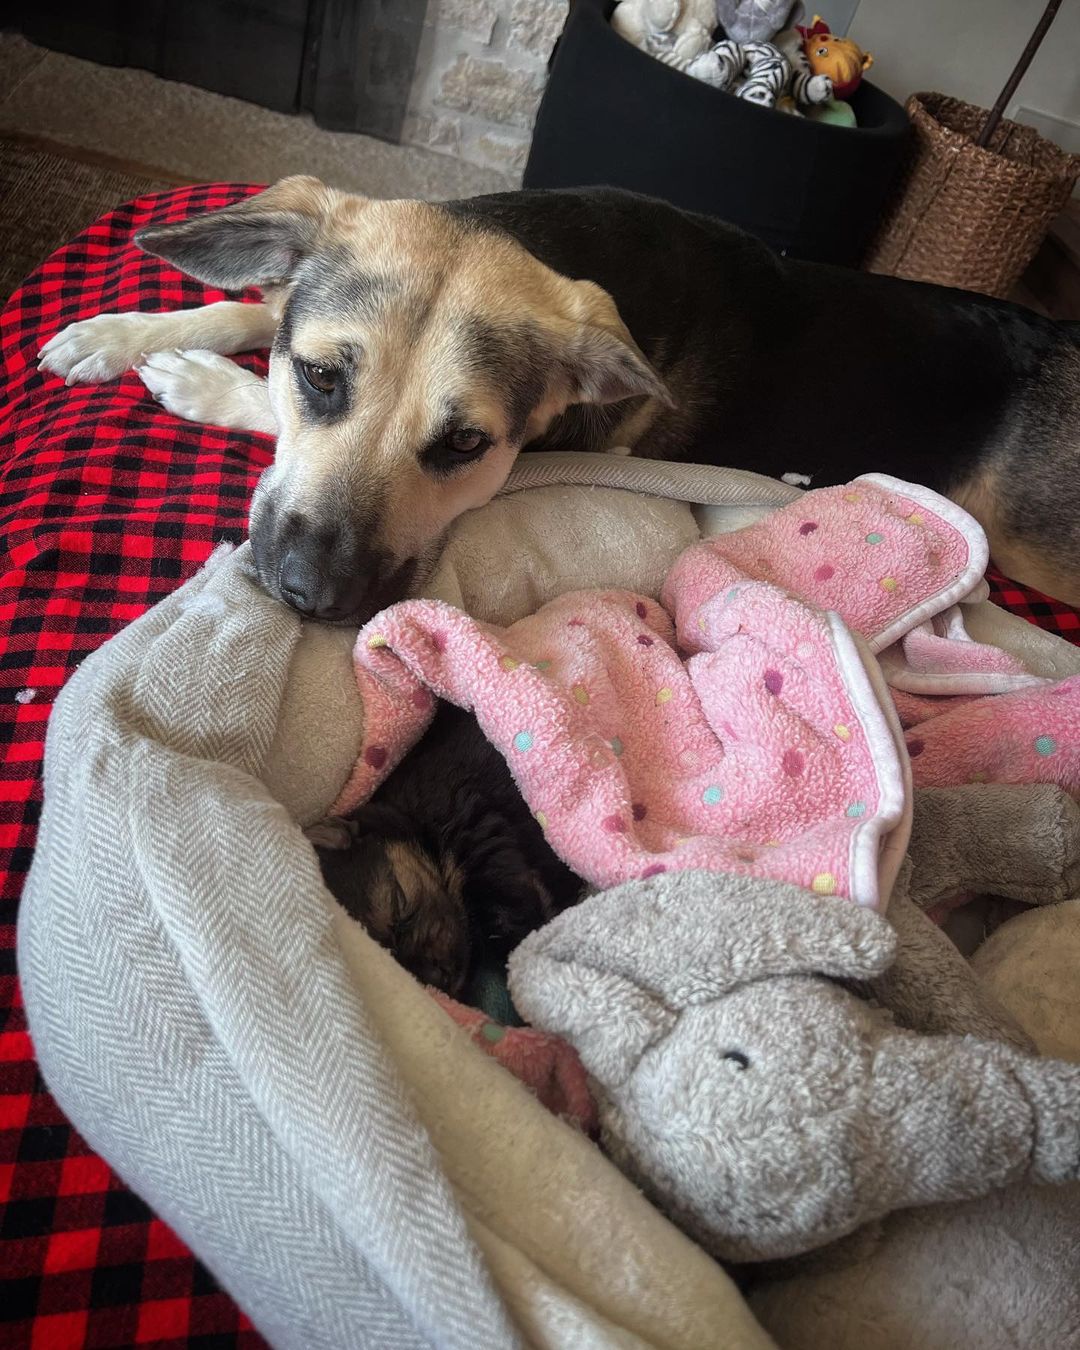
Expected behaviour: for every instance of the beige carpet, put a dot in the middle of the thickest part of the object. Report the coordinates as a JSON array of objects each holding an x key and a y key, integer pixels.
[
  {"x": 135, "y": 116},
  {"x": 48, "y": 194}
]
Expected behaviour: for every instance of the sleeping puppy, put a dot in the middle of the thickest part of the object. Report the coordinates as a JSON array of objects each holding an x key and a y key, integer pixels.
[
  {"x": 446, "y": 865},
  {"x": 417, "y": 347}
]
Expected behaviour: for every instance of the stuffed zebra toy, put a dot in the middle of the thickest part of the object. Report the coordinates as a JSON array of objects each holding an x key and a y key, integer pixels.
[
  {"x": 761, "y": 72},
  {"x": 756, "y": 71}
]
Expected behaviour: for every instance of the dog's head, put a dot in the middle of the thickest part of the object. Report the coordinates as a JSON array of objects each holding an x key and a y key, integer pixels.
[
  {"x": 406, "y": 890},
  {"x": 417, "y": 353}
]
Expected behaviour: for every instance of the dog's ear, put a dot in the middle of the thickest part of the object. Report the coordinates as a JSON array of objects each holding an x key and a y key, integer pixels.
[
  {"x": 601, "y": 361},
  {"x": 256, "y": 243}
]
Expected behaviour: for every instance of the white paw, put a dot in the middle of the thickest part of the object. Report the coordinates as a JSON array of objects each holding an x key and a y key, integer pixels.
[
  {"x": 820, "y": 89},
  {"x": 98, "y": 349},
  {"x": 202, "y": 387}
]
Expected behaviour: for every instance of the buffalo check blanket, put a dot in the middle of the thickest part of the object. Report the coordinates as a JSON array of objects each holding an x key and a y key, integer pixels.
[{"x": 107, "y": 504}]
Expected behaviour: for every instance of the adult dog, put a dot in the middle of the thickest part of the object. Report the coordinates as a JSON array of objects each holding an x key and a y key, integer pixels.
[{"x": 416, "y": 348}]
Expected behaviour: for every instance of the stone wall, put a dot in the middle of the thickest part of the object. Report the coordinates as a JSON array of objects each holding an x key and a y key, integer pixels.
[{"x": 479, "y": 75}]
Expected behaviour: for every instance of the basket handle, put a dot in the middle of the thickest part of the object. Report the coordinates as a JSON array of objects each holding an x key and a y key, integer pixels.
[{"x": 1019, "y": 71}]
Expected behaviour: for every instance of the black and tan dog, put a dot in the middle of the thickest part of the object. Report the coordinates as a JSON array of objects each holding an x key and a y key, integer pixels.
[{"x": 416, "y": 348}]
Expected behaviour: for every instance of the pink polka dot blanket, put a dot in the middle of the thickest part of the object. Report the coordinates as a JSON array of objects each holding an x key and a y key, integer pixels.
[{"x": 742, "y": 724}]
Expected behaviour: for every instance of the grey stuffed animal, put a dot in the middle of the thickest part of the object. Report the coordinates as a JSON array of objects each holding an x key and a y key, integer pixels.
[
  {"x": 751, "y": 1077},
  {"x": 757, "y": 20}
]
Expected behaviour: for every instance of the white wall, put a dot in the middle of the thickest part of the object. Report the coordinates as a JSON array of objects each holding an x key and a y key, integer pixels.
[{"x": 968, "y": 47}]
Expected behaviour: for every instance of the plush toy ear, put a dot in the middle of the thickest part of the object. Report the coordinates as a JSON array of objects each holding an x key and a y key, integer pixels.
[
  {"x": 689, "y": 937},
  {"x": 956, "y": 1118},
  {"x": 607, "y": 1019},
  {"x": 257, "y": 243}
]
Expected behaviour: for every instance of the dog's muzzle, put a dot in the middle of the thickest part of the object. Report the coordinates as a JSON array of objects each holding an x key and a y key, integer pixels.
[{"x": 324, "y": 567}]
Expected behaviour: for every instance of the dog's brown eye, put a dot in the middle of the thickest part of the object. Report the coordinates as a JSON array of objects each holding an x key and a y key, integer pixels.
[
  {"x": 321, "y": 378},
  {"x": 467, "y": 441}
]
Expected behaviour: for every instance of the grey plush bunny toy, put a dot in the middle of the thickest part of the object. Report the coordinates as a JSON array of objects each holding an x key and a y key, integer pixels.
[{"x": 752, "y": 1049}]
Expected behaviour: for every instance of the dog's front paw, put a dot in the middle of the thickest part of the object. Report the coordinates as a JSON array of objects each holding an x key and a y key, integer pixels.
[
  {"x": 98, "y": 349},
  {"x": 205, "y": 387}
]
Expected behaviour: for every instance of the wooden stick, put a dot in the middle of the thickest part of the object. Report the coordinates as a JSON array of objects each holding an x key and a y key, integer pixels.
[{"x": 1020, "y": 70}]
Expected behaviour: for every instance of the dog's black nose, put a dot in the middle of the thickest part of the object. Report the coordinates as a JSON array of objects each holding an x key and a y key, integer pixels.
[
  {"x": 312, "y": 591},
  {"x": 300, "y": 583}
]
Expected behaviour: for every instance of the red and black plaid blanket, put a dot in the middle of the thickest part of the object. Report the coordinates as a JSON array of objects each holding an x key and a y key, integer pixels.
[{"x": 107, "y": 503}]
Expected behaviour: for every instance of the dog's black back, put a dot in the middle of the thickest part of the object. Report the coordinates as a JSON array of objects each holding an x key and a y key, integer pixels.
[{"x": 780, "y": 365}]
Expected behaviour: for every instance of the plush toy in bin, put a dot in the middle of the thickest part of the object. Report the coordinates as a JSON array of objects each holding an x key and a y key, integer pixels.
[
  {"x": 676, "y": 32},
  {"x": 843, "y": 61},
  {"x": 755, "y": 71},
  {"x": 762, "y": 56}
]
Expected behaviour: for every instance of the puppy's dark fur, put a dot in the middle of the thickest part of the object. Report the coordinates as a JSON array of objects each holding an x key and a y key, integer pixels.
[{"x": 446, "y": 866}]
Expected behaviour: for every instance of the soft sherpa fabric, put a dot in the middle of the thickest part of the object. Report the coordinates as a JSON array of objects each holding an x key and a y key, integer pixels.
[
  {"x": 620, "y": 539},
  {"x": 770, "y": 753},
  {"x": 1032, "y": 965},
  {"x": 757, "y": 1098},
  {"x": 606, "y": 520},
  {"x": 346, "y": 1161},
  {"x": 997, "y": 1273},
  {"x": 891, "y": 558}
]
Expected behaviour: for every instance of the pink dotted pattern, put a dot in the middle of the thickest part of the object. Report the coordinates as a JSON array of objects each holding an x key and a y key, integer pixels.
[
  {"x": 637, "y": 761},
  {"x": 735, "y": 727}
]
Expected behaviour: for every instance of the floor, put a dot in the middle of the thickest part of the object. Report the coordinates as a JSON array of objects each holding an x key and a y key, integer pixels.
[{"x": 160, "y": 124}]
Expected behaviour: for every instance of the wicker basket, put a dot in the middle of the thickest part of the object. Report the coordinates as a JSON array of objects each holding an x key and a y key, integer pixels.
[{"x": 967, "y": 216}]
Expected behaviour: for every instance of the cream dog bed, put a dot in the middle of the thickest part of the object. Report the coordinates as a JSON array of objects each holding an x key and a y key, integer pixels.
[{"x": 330, "y": 1144}]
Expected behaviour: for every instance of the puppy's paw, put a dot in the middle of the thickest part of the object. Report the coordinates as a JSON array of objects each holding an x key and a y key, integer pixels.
[
  {"x": 333, "y": 832},
  {"x": 98, "y": 349},
  {"x": 205, "y": 387}
]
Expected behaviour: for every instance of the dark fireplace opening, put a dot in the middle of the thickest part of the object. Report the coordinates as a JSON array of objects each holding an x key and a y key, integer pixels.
[{"x": 349, "y": 63}]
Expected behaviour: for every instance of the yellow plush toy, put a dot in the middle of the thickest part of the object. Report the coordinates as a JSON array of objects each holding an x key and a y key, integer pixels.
[{"x": 841, "y": 59}]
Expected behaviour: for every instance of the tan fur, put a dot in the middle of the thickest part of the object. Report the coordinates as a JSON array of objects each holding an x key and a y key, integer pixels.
[
  {"x": 427, "y": 928},
  {"x": 448, "y": 273},
  {"x": 982, "y": 496}
]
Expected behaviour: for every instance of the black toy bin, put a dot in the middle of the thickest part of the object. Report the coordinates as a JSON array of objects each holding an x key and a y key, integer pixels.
[{"x": 613, "y": 115}]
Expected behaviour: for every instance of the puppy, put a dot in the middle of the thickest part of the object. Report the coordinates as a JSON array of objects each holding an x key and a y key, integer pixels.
[
  {"x": 446, "y": 866},
  {"x": 417, "y": 347}
]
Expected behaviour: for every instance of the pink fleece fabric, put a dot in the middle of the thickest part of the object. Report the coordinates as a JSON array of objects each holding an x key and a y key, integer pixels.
[
  {"x": 892, "y": 559},
  {"x": 1030, "y": 736},
  {"x": 769, "y": 752},
  {"x": 736, "y": 727}
]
